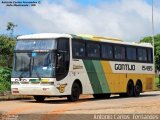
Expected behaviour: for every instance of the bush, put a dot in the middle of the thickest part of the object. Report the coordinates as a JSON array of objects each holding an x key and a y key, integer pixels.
[
  {"x": 4, "y": 86},
  {"x": 6, "y": 50},
  {"x": 5, "y": 78}
]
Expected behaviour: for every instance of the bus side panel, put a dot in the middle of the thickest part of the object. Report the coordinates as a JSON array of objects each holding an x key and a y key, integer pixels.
[
  {"x": 96, "y": 76},
  {"x": 114, "y": 82},
  {"x": 101, "y": 77},
  {"x": 132, "y": 71},
  {"x": 79, "y": 72}
]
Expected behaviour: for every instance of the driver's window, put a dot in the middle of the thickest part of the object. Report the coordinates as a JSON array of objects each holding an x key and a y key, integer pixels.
[
  {"x": 62, "y": 58},
  {"x": 60, "y": 63}
]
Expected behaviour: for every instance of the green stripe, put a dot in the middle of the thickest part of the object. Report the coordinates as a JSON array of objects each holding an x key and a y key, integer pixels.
[
  {"x": 101, "y": 76},
  {"x": 96, "y": 85},
  {"x": 96, "y": 76}
]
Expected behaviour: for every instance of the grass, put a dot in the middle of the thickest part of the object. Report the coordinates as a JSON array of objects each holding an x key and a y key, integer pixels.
[{"x": 157, "y": 81}]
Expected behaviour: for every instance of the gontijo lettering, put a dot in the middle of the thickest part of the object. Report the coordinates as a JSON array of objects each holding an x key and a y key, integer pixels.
[{"x": 124, "y": 67}]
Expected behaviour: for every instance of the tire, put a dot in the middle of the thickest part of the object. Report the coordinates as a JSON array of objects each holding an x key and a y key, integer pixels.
[
  {"x": 39, "y": 98},
  {"x": 102, "y": 96},
  {"x": 130, "y": 89},
  {"x": 137, "y": 89},
  {"x": 75, "y": 93}
]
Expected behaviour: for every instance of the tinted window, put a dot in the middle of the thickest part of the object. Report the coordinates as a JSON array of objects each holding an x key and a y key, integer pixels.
[
  {"x": 142, "y": 54},
  {"x": 131, "y": 53},
  {"x": 63, "y": 58},
  {"x": 107, "y": 52},
  {"x": 150, "y": 58},
  {"x": 93, "y": 50},
  {"x": 78, "y": 48},
  {"x": 63, "y": 44},
  {"x": 119, "y": 52}
]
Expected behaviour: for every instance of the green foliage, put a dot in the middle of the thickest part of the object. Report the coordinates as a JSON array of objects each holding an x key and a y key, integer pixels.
[
  {"x": 4, "y": 86},
  {"x": 6, "y": 52},
  {"x": 157, "y": 48},
  {"x": 10, "y": 27},
  {"x": 6, "y": 45},
  {"x": 5, "y": 74},
  {"x": 5, "y": 77}
]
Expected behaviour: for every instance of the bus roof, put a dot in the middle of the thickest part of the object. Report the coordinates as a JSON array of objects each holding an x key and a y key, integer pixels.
[
  {"x": 113, "y": 40},
  {"x": 84, "y": 36},
  {"x": 43, "y": 36},
  {"x": 98, "y": 37}
]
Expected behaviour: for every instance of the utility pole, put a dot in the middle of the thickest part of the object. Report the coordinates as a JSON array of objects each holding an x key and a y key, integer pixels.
[
  {"x": 153, "y": 38},
  {"x": 153, "y": 27}
]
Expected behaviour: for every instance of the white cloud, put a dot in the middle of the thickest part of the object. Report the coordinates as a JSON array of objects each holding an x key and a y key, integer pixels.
[{"x": 128, "y": 20}]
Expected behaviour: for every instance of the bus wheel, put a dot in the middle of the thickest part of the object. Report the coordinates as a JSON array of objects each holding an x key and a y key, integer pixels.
[
  {"x": 101, "y": 96},
  {"x": 39, "y": 98},
  {"x": 130, "y": 89},
  {"x": 137, "y": 89},
  {"x": 75, "y": 93}
]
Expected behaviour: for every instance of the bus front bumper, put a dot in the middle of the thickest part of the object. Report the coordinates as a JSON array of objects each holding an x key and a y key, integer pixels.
[{"x": 48, "y": 90}]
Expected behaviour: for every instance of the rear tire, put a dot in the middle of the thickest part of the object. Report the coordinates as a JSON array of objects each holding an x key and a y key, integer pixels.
[
  {"x": 130, "y": 89},
  {"x": 75, "y": 93},
  {"x": 137, "y": 89},
  {"x": 39, "y": 98},
  {"x": 102, "y": 96}
]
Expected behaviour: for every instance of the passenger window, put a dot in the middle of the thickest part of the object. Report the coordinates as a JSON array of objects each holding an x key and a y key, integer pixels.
[
  {"x": 131, "y": 53},
  {"x": 78, "y": 48},
  {"x": 119, "y": 52},
  {"x": 93, "y": 50},
  {"x": 107, "y": 52},
  {"x": 142, "y": 54}
]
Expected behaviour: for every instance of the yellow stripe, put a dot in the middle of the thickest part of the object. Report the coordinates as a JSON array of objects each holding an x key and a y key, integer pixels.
[{"x": 112, "y": 79}]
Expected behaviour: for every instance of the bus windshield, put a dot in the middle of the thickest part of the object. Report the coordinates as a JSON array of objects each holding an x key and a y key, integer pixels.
[{"x": 34, "y": 64}]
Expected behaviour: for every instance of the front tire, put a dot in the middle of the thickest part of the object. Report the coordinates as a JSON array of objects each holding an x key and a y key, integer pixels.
[
  {"x": 39, "y": 98},
  {"x": 75, "y": 93}
]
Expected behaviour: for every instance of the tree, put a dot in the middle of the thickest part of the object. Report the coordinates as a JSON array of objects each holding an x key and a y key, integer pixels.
[
  {"x": 6, "y": 50},
  {"x": 10, "y": 27},
  {"x": 157, "y": 48}
]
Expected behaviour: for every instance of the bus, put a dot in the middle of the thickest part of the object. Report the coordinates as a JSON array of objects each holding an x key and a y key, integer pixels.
[{"x": 67, "y": 65}]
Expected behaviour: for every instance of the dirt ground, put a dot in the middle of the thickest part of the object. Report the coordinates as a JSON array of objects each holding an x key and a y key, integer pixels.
[{"x": 147, "y": 103}]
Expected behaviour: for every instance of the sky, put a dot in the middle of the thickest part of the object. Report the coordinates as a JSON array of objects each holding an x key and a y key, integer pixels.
[{"x": 129, "y": 20}]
